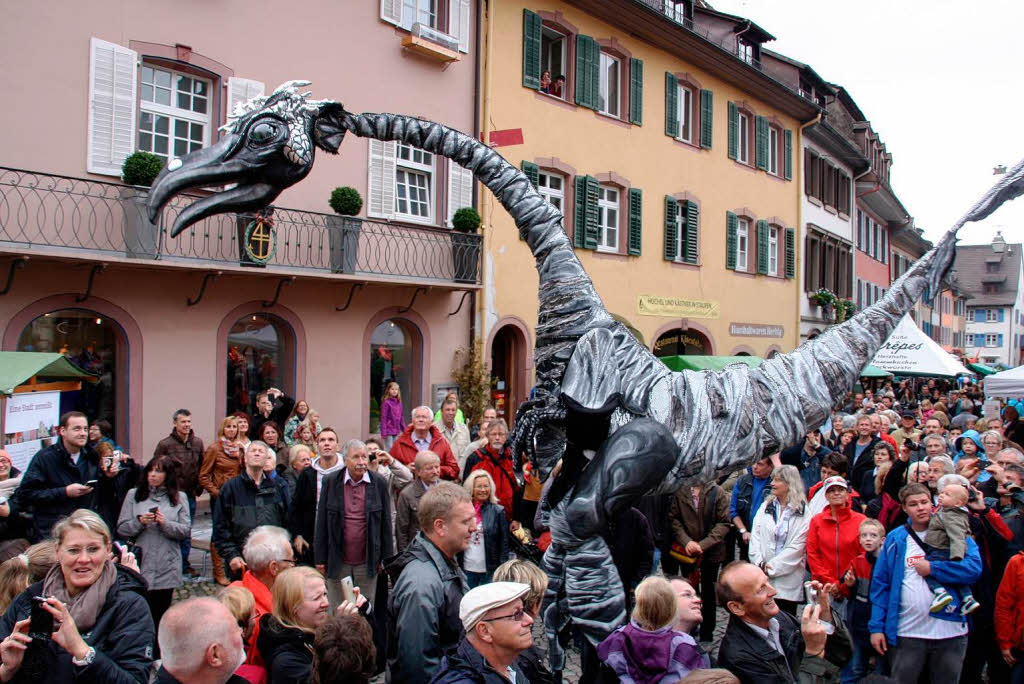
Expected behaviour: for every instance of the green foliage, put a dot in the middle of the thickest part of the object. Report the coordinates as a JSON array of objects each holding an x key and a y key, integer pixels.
[
  {"x": 466, "y": 220},
  {"x": 346, "y": 201},
  {"x": 823, "y": 297},
  {"x": 474, "y": 379},
  {"x": 141, "y": 168}
]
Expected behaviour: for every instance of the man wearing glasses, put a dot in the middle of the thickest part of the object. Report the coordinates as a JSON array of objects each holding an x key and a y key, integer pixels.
[
  {"x": 497, "y": 628},
  {"x": 267, "y": 553}
]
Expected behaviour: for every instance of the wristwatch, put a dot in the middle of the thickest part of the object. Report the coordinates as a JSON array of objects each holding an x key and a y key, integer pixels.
[{"x": 90, "y": 656}]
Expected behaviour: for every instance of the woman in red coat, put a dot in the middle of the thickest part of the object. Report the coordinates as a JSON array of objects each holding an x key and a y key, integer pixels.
[
  {"x": 833, "y": 538},
  {"x": 496, "y": 459}
]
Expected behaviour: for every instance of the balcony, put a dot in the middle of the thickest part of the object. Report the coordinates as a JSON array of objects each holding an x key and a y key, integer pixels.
[{"x": 90, "y": 219}]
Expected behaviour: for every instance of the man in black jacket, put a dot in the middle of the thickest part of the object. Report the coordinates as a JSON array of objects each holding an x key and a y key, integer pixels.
[
  {"x": 56, "y": 480},
  {"x": 765, "y": 645},
  {"x": 200, "y": 642},
  {"x": 266, "y": 409},
  {"x": 353, "y": 525},
  {"x": 860, "y": 453}
]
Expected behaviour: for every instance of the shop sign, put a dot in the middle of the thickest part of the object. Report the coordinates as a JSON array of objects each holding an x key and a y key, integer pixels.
[
  {"x": 260, "y": 240},
  {"x": 676, "y": 307},
  {"x": 755, "y": 330},
  {"x": 680, "y": 343},
  {"x": 30, "y": 423}
]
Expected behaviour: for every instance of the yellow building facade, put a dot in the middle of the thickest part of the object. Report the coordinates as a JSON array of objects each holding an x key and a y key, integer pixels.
[{"x": 674, "y": 159}]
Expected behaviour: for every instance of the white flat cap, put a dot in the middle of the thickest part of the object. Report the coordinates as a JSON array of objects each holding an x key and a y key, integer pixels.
[{"x": 477, "y": 602}]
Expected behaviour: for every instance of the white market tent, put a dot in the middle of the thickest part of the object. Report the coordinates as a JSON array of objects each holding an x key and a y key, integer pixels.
[
  {"x": 1009, "y": 383},
  {"x": 909, "y": 352}
]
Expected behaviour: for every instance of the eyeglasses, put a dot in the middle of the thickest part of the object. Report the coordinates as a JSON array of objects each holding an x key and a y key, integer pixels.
[
  {"x": 517, "y": 616},
  {"x": 288, "y": 560}
]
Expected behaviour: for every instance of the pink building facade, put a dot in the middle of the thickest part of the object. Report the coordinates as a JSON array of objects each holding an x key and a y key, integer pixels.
[{"x": 327, "y": 309}]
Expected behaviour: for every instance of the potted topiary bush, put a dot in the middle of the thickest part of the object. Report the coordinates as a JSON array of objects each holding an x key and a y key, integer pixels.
[
  {"x": 465, "y": 244},
  {"x": 343, "y": 230},
  {"x": 141, "y": 236}
]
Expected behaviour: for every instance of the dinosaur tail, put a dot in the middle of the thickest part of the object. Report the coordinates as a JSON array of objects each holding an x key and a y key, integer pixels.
[{"x": 569, "y": 304}]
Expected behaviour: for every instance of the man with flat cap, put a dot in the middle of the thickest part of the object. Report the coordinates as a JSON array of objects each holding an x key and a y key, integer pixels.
[{"x": 498, "y": 629}]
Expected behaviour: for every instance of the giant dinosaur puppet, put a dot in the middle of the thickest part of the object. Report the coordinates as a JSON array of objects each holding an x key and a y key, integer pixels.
[{"x": 623, "y": 423}]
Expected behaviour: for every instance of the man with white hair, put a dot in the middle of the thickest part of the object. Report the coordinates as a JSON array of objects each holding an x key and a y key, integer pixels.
[
  {"x": 407, "y": 522},
  {"x": 423, "y": 435},
  {"x": 497, "y": 631},
  {"x": 200, "y": 643},
  {"x": 267, "y": 553}
]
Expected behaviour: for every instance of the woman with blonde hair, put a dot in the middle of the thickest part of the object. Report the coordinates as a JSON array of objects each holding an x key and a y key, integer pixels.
[
  {"x": 221, "y": 462},
  {"x": 488, "y": 545},
  {"x": 531, "y": 661},
  {"x": 778, "y": 538},
  {"x": 17, "y": 573},
  {"x": 649, "y": 650},
  {"x": 104, "y": 628}
]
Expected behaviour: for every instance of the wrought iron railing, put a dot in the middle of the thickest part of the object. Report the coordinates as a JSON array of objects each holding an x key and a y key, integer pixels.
[{"x": 47, "y": 210}]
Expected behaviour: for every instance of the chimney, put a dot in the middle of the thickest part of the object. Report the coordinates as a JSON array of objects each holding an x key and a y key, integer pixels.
[{"x": 998, "y": 243}]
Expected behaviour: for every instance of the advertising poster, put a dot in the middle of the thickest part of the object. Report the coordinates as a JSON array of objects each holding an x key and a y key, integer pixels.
[{"x": 30, "y": 423}]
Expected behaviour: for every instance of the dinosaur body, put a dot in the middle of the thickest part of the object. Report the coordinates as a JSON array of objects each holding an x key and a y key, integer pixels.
[{"x": 622, "y": 422}]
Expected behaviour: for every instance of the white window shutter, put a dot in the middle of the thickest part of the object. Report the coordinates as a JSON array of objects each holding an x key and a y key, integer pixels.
[
  {"x": 458, "y": 22},
  {"x": 242, "y": 90},
  {"x": 391, "y": 11},
  {"x": 381, "y": 181},
  {"x": 460, "y": 189},
  {"x": 113, "y": 72}
]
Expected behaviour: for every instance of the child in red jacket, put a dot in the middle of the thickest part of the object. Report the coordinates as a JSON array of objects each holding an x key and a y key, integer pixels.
[{"x": 857, "y": 585}]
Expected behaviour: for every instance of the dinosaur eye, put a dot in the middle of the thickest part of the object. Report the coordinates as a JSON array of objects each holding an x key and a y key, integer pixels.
[{"x": 263, "y": 133}]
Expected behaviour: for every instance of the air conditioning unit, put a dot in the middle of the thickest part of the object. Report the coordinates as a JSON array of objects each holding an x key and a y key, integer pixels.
[{"x": 433, "y": 35}]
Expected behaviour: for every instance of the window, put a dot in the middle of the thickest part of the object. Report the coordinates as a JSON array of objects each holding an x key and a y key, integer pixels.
[
  {"x": 743, "y": 153},
  {"x": 413, "y": 183},
  {"x": 174, "y": 117},
  {"x": 260, "y": 354},
  {"x": 742, "y": 243},
  {"x": 553, "y": 58},
  {"x": 860, "y": 298},
  {"x": 773, "y": 250},
  {"x": 745, "y": 51},
  {"x": 608, "y": 93},
  {"x": 552, "y": 188},
  {"x": 419, "y": 12},
  {"x": 608, "y": 219},
  {"x": 992, "y": 340},
  {"x": 685, "y": 114},
  {"x": 773, "y": 151},
  {"x": 991, "y": 315},
  {"x": 395, "y": 355},
  {"x": 992, "y": 267}
]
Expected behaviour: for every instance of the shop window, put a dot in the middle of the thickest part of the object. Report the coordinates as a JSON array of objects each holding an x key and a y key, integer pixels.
[
  {"x": 394, "y": 352},
  {"x": 260, "y": 355}
]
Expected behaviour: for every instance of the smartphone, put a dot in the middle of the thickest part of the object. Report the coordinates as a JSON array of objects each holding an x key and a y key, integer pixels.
[
  {"x": 107, "y": 462},
  {"x": 40, "y": 624},
  {"x": 810, "y": 593},
  {"x": 346, "y": 588},
  {"x": 154, "y": 509},
  {"x": 91, "y": 483}
]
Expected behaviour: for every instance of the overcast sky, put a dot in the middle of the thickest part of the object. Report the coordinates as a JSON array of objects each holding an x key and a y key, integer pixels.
[{"x": 940, "y": 81}]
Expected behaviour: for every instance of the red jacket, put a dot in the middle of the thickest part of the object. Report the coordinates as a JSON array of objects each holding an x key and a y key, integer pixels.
[
  {"x": 499, "y": 467},
  {"x": 1009, "y": 608},
  {"x": 833, "y": 544},
  {"x": 404, "y": 449},
  {"x": 264, "y": 604}
]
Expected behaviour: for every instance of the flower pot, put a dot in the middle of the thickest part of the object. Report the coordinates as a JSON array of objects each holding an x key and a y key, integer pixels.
[
  {"x": 141, "y": 236},
  {"x": 343, "y": 238},
  {"x": 465, "y": 256}
]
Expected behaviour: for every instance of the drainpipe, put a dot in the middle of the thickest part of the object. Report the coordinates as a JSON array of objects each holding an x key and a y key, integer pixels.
[
  {"x": 485, "y": 23},
  {"x": 798, "y": 273},
  {"x": 740, "y": 33},
  {"x": 476, "y": 122}
]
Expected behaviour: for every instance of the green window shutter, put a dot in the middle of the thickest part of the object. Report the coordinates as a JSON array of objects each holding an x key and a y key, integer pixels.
[
  {"x": 731, "y": 224},
  {"x": 532, "y": 172},
  {"x": 588, "y": 67},
  {"x": 789, "y": 154},
  {"x": 636, "y": 91},
  {"x": 592, "y": 231},
  {"x": 636, "y": 206},
  {"x": 791, "y": 253},
  {"x": 671, "y": 209},
  {"x": 707, "y": 113},
  {"x": 761, "y": 142},
  {"x": 579, "y": 212},
  {"x": 690, "y": 246},
  {"x": 671, "y": 105},
  {"x": 734, "y": 132},
  {"x": 531, "y": 49},
  {"x": 762, "y": 247}
]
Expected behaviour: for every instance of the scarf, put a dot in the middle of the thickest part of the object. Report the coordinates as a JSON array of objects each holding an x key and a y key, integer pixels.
[
  {"x": 231, "y": 447},
  {"x": 86, "y": 606}
]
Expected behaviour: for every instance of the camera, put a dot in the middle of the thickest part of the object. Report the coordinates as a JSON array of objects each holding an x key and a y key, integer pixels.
[{"x": 40, "y": 625}]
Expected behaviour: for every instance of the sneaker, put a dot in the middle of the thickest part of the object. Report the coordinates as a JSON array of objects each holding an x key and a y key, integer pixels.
[
  {"x": 969, "y": 606},
  {"x": 941, "y": 600}
]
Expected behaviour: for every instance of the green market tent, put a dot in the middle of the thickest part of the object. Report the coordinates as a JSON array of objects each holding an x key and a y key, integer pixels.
[
  {"x": 18, "y": 367},
  {"x": 982, "y": 369},
  {"x": 698, "y": 362},
  {"x": 870, "y": 371}
]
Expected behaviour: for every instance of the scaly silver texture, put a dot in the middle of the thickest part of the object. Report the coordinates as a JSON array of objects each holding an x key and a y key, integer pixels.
[{"x": 622, "y": 422}]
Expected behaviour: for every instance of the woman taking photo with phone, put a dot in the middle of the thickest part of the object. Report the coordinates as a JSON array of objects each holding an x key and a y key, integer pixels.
[
  {"x": 155, "y": 516},
  {"x": 88, "y": 594}
]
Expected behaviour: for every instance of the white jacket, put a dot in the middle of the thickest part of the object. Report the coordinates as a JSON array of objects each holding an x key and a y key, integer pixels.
[{"x": 785, "y": 570}]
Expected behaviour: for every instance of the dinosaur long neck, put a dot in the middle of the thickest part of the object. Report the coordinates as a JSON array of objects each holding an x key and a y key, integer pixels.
[{"x": 569, "y": 304}]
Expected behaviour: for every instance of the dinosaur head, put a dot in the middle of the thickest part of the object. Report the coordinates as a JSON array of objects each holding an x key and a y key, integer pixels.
[{"x": 267, "y": 146}]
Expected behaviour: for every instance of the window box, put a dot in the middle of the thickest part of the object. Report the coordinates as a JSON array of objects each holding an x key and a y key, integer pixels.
[{"x": 429, "y": 42}]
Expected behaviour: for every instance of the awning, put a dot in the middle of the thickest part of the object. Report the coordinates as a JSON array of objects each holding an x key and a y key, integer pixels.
[
  {"x": 1007, "y": 384},
  {"x": 17, "y": 367},
  {"x": 870, "y": 371},
  {"x": 910, "y": 353},
  {"x": 698, "y": 362},
  {"x": 982, "y": 369}
]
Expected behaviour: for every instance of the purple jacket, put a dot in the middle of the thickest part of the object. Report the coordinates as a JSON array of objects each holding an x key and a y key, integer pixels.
[
  {"x": 391, "y": 422},
  {"x": 641, "y": 657}
]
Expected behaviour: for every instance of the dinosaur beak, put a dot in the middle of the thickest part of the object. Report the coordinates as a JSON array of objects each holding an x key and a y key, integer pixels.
[{"x": 210, "y": 166}]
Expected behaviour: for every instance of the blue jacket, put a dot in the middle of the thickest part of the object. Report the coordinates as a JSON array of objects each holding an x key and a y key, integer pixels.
[
  {"x": 887, "y": 582},
  {"x": 747, "y": 497}
]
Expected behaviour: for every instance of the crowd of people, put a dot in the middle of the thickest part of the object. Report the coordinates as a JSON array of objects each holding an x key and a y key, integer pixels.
[{"x": 886, "y": 546}]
